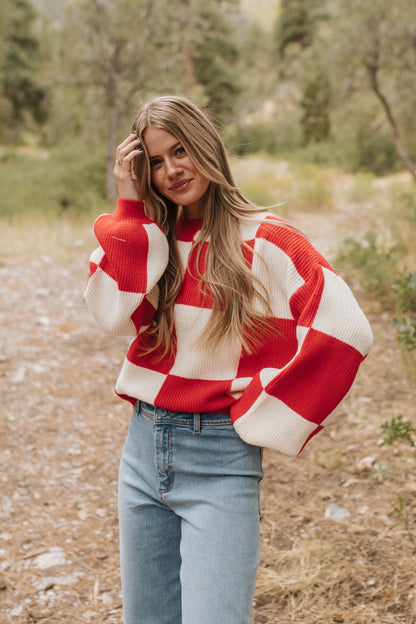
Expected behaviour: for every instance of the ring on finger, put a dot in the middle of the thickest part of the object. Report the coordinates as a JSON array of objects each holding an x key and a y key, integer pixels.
[{"x": 119, "y": 161}]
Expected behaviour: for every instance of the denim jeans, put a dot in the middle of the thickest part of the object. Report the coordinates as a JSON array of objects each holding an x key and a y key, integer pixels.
[{"x": 189, "y": 519}]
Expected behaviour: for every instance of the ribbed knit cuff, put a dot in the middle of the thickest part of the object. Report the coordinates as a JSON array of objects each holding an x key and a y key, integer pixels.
[{"x": 129, "y": 209}]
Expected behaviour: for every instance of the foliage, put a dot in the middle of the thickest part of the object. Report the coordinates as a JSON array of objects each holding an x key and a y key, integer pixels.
[
  {"x": 90, "y": 63},
  {"x": 116, "y": 56},
  {"x": 405, "y": 324},
  {"x": 372, "y": 47},
  {"x": 405, "y": 287},
  {"x": 408, "y": 200},
  {"x": 296, "y": 23},
  {"x": 406, "y": 332},
  {"x": 398, "y": 429},
  {"x": 216, "y": 56},
  {"x": 68, "y": 179},
  {"x": 20, "y": 89},
  {"x": 384, "y": 274},
  {"x": 375, "y": 152},
  {"x": 315, "y": 104},
  {"x": 378, "y": 265},
  {"x": 252, "y": 138},
  {"x": 395, "y": 288}
]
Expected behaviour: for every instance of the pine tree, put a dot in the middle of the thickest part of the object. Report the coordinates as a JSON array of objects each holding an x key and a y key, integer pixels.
[
  {"x": 315, "y": 103},
  {"x": 215, "y": 62},
  {"x": 20, "y": 91},
  {"x": 295, "y": 24}
]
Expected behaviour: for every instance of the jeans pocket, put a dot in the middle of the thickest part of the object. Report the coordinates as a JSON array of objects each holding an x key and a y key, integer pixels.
[{"x": 145, "y": 410}]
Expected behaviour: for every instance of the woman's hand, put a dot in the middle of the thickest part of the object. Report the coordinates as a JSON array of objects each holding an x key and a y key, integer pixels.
[{"x": 124, "y": 170}]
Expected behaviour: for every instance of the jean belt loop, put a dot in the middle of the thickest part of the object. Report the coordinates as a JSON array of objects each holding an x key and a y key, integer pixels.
[{"x": 197, "y": 424}]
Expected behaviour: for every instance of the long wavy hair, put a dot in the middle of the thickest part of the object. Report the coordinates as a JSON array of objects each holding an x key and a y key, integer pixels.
[{"x": 240, "y": 301}]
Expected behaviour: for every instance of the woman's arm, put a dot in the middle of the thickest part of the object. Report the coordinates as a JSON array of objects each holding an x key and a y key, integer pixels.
[
  {"x": 122, "y": 291},
  {"x": 282, "y": 408},
  {"x": 125, "y": 269}
]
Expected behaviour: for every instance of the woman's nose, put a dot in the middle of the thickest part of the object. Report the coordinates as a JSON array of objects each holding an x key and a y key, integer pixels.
[{"x": 172, "y": 168}]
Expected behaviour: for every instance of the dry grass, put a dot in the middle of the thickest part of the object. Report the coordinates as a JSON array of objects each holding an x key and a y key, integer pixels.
[
  {"x": 62, "y": 432},
  {"x": 302, "y": 188}
]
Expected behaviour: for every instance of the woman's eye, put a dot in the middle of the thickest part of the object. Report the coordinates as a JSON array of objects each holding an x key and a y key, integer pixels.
[
  {"x": 155, "y": 163},
  {"x": 180, "y": 151}
]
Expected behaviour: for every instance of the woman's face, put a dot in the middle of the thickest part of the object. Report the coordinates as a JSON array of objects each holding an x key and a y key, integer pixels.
[{"x": 173, "y": 172}]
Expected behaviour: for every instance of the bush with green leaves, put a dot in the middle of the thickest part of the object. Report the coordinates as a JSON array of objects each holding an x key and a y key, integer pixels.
[
  {"x": 386, "y": 277},
  {"x": 68, "y": 178},
  {"x": 405, "y": 321},
  {"x": 253, "y": 138},
  {"x": 375, "y": 153},
  {"x": 398, "y": 429},
  {"x": 377, "y": 264}
]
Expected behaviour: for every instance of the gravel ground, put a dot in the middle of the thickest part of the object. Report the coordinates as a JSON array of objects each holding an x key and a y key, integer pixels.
[{"x": 338, "y": 528}]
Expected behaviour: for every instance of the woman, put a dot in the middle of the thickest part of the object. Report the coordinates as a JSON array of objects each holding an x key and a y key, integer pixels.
[{"x": 243, "y": 337}]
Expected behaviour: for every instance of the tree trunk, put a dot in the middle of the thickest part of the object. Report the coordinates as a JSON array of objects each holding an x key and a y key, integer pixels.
[
  {"x": 372, "y": 71},
  {"x": 110, "y": 186}
]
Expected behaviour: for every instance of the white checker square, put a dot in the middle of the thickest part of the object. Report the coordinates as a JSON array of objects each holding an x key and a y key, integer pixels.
[
  {"x": 192, "y": 360},
  {"x": 136, "y": 381},
  {"x": 272, "y": 424},
  {"x": 184, "y": 249},
  {"x": 339, "y": 314},
  {"x": 281, "y": 280},
  {"x": 115, "y": 318}
]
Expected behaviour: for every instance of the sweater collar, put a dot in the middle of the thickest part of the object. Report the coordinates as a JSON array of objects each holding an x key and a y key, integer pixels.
[{"x": 187, "y": 228}]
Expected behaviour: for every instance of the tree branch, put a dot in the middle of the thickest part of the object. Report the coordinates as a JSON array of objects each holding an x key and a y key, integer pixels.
[{"x": 372, "y": 69}]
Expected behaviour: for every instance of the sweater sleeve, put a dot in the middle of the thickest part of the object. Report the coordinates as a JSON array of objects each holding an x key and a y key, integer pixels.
[
  {"x": 122, "y": 292},
  {"x": 282, "y": 408}
]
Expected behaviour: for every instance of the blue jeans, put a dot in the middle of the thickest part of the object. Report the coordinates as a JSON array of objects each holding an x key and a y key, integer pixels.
[{"x": 189, "y": 519}]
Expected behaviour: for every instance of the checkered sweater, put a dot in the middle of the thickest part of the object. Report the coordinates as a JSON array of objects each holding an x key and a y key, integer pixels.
[{"x": 278, "y": 397}]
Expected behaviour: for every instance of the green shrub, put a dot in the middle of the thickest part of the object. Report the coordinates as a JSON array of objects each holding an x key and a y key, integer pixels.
[
  {"x": 268, "y": 137},
  {"x": 408, "y": 200},
  {"x": 375, "y": 153},
  {"x": 378, "y": 266},
  {"x": 393, "y": 287},
  {"x": 323, "y": 153},
  {"x": 406, "y": 332},
  {"x": 398, "y": 429},
  {"x": 405, "y": 287},
  {"x": 254, "y": 138},
  {"x": 68, "y": 178}
]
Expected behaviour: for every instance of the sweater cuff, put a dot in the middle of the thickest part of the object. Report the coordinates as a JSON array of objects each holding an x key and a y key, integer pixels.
[{"x": 129, "y": 209}]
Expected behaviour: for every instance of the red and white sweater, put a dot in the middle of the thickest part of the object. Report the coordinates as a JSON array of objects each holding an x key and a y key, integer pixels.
[{"x": 279, "y": 397}]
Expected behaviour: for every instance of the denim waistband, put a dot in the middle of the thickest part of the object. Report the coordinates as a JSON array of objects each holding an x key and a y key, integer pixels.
[{"x": 195, "y": 420}]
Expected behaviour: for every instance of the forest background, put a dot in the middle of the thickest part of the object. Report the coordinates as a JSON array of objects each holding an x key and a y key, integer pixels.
[
  {"x": 315, "y": 100},
  {"x": 327, "y": 82}
]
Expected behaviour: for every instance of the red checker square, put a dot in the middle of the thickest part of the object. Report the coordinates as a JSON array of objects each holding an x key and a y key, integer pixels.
[
  {"x": 143, "y": 315},
  {"x": 277, "y": 350},
  {"x": 195, "y": 394},
  {"x": 152, "y": 360},
  {"x": 248, "y": 252},
  {"x": 93, "y": 268},
  {"x": 316, "y": 381},
  {"x": 192, "y": 292},
  {"x": 249, "y": 397},
  {"x": 304, "y": 303}
]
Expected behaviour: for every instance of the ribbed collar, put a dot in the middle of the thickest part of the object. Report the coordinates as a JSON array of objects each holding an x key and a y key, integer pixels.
[{"x": 187, "y": 228}]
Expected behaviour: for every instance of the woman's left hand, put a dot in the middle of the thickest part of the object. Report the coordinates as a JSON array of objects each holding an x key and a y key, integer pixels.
[{"x": 124, "y": 169}]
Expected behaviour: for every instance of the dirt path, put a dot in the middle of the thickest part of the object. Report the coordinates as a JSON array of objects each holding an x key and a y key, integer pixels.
[{"x": 62, "y": 429}]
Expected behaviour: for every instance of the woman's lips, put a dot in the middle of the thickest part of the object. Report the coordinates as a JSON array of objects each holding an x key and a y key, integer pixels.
[{"x": 180, "y": 187}]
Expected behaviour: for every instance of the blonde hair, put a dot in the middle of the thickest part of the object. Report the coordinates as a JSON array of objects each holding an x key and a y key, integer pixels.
[{"x": 240, "y": 301}]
